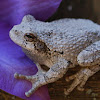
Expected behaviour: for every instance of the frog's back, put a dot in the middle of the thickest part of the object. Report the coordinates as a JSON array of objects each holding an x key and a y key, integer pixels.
[
  {"x": 70, "y": 32},
  {"x": 71, "y": 36}
]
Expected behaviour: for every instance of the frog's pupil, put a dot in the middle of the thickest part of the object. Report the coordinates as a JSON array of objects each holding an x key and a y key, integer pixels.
[{"x": 29, "y": 36}]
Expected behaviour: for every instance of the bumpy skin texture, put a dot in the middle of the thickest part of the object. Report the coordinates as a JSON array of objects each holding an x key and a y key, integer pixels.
[{"x": 59, "y": 45}]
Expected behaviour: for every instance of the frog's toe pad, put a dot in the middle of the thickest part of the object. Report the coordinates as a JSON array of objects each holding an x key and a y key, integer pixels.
[{"x": 20, "y": 76}]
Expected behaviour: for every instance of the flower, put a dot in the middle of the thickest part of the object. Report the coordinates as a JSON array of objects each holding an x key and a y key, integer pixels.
[{"x": 12, "y": 59}]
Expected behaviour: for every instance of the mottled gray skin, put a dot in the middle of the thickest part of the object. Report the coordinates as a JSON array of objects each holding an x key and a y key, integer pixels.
[{"x": 59, "y": 45}]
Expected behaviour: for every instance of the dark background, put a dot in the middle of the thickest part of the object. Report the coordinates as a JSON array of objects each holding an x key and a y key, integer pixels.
[{"x": 88, "y": 9}]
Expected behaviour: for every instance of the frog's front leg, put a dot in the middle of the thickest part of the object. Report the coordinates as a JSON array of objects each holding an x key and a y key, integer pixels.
[
  {"x": 42, "y": 78},
  {"x": 90, "y": 60}
]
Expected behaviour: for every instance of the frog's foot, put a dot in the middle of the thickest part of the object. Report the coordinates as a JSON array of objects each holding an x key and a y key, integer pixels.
[
  {"x": 42, "y": 78},
  {"x": 36, "y": 80},
  {"x": 80, "y": 78}
]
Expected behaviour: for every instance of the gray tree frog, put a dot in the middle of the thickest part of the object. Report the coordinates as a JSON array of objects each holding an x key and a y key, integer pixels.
[{"x": 59, "y": 45}]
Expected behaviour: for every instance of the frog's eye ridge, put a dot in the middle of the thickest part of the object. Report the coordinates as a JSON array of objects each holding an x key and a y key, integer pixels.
[{"x": 30, "y": 37}]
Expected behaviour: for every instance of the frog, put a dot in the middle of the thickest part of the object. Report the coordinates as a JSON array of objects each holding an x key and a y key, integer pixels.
[{"x": 58, "y": 45}]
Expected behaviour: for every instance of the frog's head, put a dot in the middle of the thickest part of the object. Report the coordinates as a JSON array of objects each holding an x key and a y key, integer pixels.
[{"x": 27, "y": 36}]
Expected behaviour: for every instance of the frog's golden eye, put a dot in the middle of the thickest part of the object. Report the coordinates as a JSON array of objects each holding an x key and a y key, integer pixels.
[{"x": 29, "y": 37}]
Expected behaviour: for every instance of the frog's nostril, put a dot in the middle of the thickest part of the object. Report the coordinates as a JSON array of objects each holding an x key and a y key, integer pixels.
[{"x": 16, "y": 32}]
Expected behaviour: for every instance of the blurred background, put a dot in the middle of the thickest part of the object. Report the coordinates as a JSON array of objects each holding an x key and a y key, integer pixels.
[{"x": 88, "y": 9}]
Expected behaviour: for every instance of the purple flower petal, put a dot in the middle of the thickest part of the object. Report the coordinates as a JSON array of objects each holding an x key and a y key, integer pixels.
[
  {"x": 12, "y": 11},
  {"x": 12, "y": 60}
]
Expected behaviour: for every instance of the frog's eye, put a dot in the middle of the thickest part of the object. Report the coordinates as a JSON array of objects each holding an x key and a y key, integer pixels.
[{"x": 29, "y": 37}]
